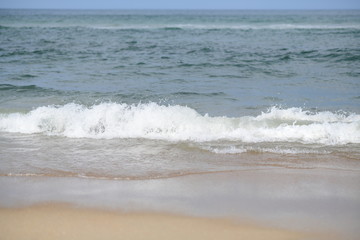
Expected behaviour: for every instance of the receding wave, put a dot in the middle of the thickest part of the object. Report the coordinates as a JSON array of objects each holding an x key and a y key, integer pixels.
[{"x": 180, "y": 123}]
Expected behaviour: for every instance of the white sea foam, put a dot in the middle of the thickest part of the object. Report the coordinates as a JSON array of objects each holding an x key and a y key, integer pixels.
[
  {"x": 244, "y": 149},
  {"x": 226, "y": 150},
  {"x": 180, "y": 123}
]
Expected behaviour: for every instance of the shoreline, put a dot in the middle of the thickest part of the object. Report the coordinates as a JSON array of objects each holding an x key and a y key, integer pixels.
[
  {"x": 305, "y": 201},
  {"x": 62, "y": 221}
]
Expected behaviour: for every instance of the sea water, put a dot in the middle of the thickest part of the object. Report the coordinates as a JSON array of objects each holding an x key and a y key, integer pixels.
[{"x": 147, "y": 94}]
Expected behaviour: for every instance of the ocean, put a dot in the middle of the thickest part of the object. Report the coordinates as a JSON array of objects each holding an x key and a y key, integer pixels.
[{"x": 148, "y": 94}]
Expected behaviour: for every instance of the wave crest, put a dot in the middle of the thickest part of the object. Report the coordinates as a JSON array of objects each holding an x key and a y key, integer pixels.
[{"x": 180, "y": 123}]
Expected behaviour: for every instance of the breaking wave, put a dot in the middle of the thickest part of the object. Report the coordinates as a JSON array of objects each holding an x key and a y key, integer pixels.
[{"x": 181, "y": 123}]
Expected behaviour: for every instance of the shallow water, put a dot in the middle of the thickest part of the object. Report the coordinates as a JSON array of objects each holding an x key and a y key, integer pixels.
[{"x": 309, "y": 200}]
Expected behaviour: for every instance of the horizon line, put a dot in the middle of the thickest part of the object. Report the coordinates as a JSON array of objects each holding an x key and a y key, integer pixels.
[{"x": 189, "y": 9}]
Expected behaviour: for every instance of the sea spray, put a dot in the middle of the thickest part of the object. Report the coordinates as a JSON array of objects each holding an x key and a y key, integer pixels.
[{"x": 181, "y": 123}]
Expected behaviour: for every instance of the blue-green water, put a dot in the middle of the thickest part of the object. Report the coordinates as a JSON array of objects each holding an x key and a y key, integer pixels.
[{"x": 156, "y": 93}]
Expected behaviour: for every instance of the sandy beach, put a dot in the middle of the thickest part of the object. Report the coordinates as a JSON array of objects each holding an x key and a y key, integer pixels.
[{"x": 58, "y": 221}]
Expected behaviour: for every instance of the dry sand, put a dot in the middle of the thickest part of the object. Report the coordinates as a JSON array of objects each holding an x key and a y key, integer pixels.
[{"x": 56, "y": 221}]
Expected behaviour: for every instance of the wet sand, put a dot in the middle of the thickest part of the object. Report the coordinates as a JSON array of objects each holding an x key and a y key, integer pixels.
[
  {"x": 282, "y": 203},
  {"x": 65, "y": 222}
]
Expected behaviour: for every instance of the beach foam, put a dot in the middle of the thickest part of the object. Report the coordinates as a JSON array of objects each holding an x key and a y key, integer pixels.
[
  {"x": 180, "y": 123},
  {"x": 277, "y": 149}
]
